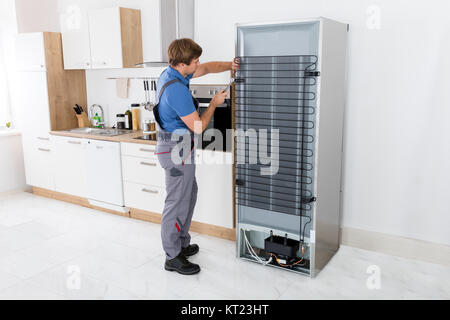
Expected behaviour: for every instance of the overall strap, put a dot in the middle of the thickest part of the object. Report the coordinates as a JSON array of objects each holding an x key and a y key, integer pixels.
[
  {"x": 165, "y": 86},
  {"x": 155, "y": 108}
]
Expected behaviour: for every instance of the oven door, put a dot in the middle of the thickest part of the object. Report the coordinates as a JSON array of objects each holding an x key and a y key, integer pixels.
[
  {"x": 221, "y": 120},
  {"x": 202, "y": 106}
]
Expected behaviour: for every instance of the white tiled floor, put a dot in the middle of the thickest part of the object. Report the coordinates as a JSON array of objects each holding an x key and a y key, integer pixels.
[{"x": 55, "y": 250}]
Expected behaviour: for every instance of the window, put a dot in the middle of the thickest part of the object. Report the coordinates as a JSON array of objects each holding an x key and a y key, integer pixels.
[{"x": 5, "y": 101}]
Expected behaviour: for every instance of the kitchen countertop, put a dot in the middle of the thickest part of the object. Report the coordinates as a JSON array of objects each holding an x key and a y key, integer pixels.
[{"x": 129, "y": 137}]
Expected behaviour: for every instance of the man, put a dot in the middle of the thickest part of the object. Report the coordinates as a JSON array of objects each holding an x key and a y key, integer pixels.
[{"x": 177, "y": 115}]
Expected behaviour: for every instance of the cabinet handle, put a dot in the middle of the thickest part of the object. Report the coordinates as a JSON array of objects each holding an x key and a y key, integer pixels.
[
  {"x": 147, "y": 150},
  {"x": 41, "y": 138},
  {"x": 149, "y": 191},
  {"x": 148, "y": 164},
  {"x": 74, "y": 142},
  {"x": 99, "y": 147},
  {"x": 45, "y": 150}
]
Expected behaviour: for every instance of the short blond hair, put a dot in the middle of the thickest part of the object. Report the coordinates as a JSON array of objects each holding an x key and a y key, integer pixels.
[{"x": 183, "y": 51}]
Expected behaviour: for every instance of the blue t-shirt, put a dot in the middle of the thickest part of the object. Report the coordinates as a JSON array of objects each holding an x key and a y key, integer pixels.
[{"x": 176, "y": 100}]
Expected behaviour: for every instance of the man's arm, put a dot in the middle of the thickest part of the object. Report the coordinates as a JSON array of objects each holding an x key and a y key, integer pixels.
[
  {"x": 212, "y": 67},
  {"x": 216, "y": 67},
  {"x": 191, "y": 119}
]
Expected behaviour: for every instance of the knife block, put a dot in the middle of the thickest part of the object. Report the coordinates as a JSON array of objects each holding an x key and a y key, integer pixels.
[{"x": 83, "y": 120}]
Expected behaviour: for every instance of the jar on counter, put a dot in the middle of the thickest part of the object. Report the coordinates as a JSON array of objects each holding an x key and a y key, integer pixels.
[
  {"x": 135, "y": 115},
  {"x": 128, "y": 119},
  {"x": 149, "y": 125},
  {"x": 120, "y": 121}
]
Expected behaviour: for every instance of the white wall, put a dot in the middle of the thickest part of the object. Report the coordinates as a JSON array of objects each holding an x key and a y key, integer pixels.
[
  {"x": 397, "y": 141},
  {"x": 12, "y": 171},
  {"x": 36, "y": 16}
]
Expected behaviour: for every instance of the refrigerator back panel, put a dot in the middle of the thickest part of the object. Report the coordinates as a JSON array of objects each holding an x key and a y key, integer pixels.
[
  {"x": 291, "y": 81},
  {"x": 277, "y": 89}
]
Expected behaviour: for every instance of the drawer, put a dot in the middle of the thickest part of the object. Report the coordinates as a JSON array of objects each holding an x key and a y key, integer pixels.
[
  {"x": 143, "y": 170},
  {"x": 38, "y": 140},
  {"x": 138, "y": 150},
  {"x": 143, "y": 197}
]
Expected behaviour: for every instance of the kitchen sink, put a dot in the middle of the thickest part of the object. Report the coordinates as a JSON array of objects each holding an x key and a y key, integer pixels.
[{"x": 100, "y": 132}]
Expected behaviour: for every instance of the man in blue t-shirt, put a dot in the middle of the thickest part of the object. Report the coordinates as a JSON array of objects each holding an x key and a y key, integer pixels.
[{"x": 177, "y": 115}]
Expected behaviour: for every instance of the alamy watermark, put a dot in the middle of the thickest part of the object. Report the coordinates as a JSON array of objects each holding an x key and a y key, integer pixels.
[
  {"x": 374, "y": 280},
  {"x": 254, "y": 147}
]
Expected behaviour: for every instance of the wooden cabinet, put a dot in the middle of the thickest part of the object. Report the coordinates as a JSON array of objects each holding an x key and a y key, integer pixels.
[
  {"x": 70, "y": 168},
  {"x": 106, "y": 39}
]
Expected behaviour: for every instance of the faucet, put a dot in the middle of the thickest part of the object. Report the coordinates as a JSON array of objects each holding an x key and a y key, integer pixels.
[{"x": 92, "y": 114}]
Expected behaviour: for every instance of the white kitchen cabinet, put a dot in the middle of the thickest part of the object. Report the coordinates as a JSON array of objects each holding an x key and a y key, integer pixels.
[
  {"x": 144, "y": 197},
  {"x": 146, "y": 171},
  {"x": 144, "y": 183},
  {"x": 39, "y": 161},
  {"x": 32, "y": 104},
  {"x": 138, "y": 150},
  {"x": 30, "y": 52},
  {"x": 214, "y": 174},
  {"x": 104, "y": 173},
  {"x": 43, "y": 102},
  {"x": 144, "y": 179},
  {"x": 70, "y": 168},
  {"x": 75, "y": 40},
  {"x": 104, "y": 39}
]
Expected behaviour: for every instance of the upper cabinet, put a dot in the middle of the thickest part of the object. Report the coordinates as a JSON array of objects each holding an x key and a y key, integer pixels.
[
  {"x": 49, "y": 92},
  {"x": 103, "y": 39},
  {"x": 76, "y": 43},
  {"x": 30, "y": 52}
]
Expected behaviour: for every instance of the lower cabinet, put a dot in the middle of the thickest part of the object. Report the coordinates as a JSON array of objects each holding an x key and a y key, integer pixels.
[
  {"x": 38, "y": 152},
  {"x": 214, "y": 175},
  {"x": 144, "y": 185},
  {"x": 143, "y": 197},
  {"x": 70, "y": 167}
]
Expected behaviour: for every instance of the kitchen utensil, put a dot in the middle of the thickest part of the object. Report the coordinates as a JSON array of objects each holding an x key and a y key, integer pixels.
[
  {"x": 145, "y": 104},
  {"x": 149, "y": 106},
  {"x": 152, "y": 99}
]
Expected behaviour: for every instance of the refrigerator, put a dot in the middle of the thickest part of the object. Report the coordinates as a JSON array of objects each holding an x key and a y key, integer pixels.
[{"x": 290, "y": 94}]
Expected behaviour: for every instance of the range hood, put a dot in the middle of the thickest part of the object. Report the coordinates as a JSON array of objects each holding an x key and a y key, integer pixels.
[{"x": 176, "y": 19}]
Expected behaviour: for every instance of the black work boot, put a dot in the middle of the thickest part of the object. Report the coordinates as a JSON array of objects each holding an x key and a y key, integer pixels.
[
  {"x": 181, "y": 265},
  {"x": 190, "y": 250}
]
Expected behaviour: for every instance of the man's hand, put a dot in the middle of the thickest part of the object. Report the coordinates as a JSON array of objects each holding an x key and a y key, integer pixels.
[
  {"x": 235, "y": 65},
  {"x": 219, "y": 98}
]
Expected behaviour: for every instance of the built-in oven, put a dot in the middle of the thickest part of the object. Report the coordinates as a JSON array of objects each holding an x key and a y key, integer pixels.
[{"x": 221, "y": 119}]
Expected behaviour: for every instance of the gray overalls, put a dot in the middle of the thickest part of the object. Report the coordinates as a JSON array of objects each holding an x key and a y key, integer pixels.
[{"x": 181, "y": 185}]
